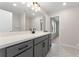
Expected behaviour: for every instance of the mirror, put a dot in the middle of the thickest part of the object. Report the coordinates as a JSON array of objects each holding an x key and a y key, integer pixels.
[
  {"x": 39, "y": 23},
  {"x": 42, "y": 24},
  {"x": 5, "y": 21},
  {"x": 19, "y": 18}
]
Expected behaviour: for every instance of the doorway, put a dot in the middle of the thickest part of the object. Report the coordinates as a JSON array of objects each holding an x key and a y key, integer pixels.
[{"x": 54, "y": 26}]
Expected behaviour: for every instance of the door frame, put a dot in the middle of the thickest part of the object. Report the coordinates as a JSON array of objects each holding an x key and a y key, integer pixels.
[{"x": 55, "y": 19}]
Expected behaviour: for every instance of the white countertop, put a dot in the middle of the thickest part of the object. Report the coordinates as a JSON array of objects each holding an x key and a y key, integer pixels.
[{"x": 8, "y": 39}]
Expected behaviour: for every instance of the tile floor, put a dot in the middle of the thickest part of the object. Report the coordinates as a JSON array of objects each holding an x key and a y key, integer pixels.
[{"x": 62, "y": 51}]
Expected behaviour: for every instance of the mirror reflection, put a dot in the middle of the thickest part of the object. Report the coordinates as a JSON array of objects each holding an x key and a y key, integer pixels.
[{"x": 18, "y": 16}]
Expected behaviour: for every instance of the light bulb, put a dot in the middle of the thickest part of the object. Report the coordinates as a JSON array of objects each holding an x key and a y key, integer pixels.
[
  {"x": 36, "y": 10},
  {"x": 31, "y": 3},
  {"x": 64, "y": 4},
  {"x": 14, "y": 4},
  {"x": 23, "y": 2},
  {"x": 28, "y": 5},
  {"x": 39, "y": 8},
  {"x": 35, "y": 5},
  {"x": 32, "y": 7}
]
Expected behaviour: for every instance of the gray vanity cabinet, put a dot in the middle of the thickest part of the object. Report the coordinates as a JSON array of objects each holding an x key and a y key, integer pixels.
[
  {"x": 27, "y": 53},
  {"x": 37, "y": 47},
  {"x": 49, "y": 42},
  {"x": 41, "y": 49},
  {"x": 41, "y": 46},
  {"x": 38, "y": 50},
  {"x": 45, "y": 47},
  {"x": 20, "y": 49}
]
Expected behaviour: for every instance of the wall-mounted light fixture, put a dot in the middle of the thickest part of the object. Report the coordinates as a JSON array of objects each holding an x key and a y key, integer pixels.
[{"x": 34, "y": 6}]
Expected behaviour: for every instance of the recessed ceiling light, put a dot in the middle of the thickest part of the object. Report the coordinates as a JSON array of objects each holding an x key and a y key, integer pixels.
[
  {"x": 14, "y": 4},
  {"x": 64, "y": 4},
  {"x": 23, "y": 2},
  {"x": 29, "y": 4}
]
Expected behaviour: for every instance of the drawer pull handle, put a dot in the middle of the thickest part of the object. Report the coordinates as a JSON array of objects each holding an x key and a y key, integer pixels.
[
  {"x": 43, "y": 44},
  {"x": 22, "y": 47}
]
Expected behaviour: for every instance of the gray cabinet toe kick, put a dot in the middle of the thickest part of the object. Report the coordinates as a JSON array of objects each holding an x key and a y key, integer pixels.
[{"x": 38, "y": 47}]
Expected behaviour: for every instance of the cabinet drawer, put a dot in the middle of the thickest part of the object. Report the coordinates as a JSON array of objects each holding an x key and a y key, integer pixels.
[
  {"x": 27, "y": 53},
  {"x": 37, "y": 40},
  {"x": 45, "y": 47},
  {"x": 15, "y": 49}
]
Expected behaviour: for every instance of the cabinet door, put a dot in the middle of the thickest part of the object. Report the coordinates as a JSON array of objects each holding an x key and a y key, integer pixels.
[
  {"x": 27, "y": 53},
  {"x": 40, "y": 39},
  {"x": 45, "y": 47},
  {"x": 38, "y": 50},
  {"x": 2, "y": 52},
  {"x": 49, "y": 41},
  {"x": 16, "y": 49}
]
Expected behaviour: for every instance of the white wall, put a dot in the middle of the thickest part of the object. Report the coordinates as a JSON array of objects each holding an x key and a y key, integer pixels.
[
  {"x": 28, "y": 23},
  {"x": 36, "y": 23},
  {"x": 16, "y": 22},
  {"x": 47, "y": 28},
  {"x": 69, "y": 26},
  {"x": 23, "y": 25},
  {"x": 47, "y": 20},
  {"x": 21, "y": 22},
  {"x": 5, "y": 21}
]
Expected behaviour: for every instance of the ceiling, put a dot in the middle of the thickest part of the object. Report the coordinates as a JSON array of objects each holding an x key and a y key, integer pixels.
[
  {"x": 52, "y": 7},
  {"x": 20, "y": 8},
  {"x": 48, "y": 7}
]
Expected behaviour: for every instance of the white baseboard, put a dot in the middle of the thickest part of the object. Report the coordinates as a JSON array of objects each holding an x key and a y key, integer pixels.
[{"x": 70, "y": 46}]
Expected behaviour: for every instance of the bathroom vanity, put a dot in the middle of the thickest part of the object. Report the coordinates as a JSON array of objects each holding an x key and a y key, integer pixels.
[{"x": 25, "y": 45}]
